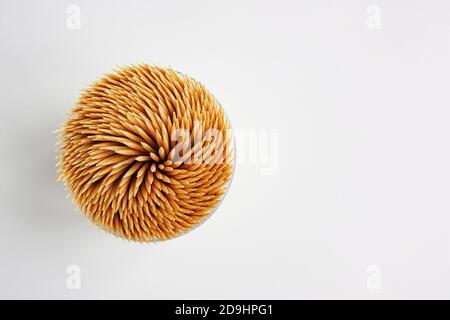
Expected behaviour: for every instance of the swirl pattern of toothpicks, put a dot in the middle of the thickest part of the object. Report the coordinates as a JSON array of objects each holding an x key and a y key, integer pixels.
[{"x": 147, "y": 153}]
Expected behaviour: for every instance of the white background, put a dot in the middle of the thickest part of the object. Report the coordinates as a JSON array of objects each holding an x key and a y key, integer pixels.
[{"x": 364, "y": 154}]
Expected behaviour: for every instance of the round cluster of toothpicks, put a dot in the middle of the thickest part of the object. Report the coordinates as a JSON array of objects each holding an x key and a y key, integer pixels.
[{"x": 147, "y": 153}]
